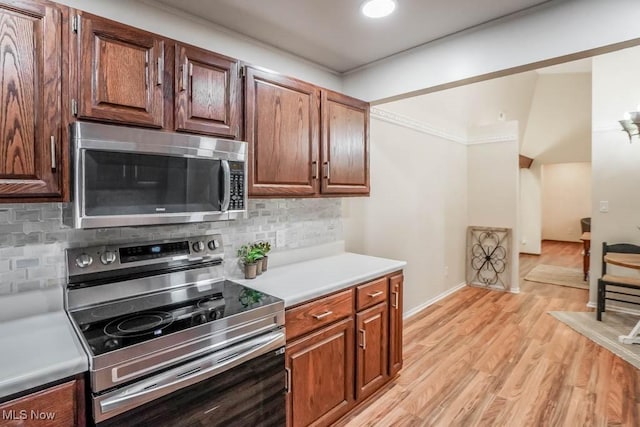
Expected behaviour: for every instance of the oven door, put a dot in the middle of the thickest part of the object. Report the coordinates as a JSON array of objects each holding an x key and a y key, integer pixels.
[{"x": 241, "y": 386}]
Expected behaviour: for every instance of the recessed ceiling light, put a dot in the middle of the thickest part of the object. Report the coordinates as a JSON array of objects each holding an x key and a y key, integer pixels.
[{"x": 378, "y": 8}]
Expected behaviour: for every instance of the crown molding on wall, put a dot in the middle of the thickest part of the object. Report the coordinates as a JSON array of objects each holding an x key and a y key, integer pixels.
[
  {"x": 409, "y": 123},
  {"x": 428, "y": 129},
  {"x": 492, "y": 139}
]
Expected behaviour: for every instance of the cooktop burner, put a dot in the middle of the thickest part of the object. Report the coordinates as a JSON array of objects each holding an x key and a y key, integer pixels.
[
  {"x": 138, "y": 324},
  {"x": 132, "y": 321}
]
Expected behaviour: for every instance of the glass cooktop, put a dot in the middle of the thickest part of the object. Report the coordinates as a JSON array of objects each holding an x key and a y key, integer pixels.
[{"x": 124, "y": 323}]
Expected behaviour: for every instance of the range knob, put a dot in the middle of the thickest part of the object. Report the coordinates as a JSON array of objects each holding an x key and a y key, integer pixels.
[
  {"x": 198, "y": 246},
  {"x": 84, "y": 260},
  {"x": 199, "y": 319},
  {"x": 213, "y": 244},
  {"x": 111, "y": 344},
  {"x": 108, "y": 257}
]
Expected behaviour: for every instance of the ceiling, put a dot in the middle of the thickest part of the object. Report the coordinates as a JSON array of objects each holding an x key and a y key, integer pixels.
[{"x": 334, "y": 34}]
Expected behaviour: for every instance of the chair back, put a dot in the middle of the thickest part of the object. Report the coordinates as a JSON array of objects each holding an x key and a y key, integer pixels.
[{"x": 621, "y": 248}]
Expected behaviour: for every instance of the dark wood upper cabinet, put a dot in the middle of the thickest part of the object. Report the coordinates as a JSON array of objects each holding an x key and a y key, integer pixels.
[
  {"x": 282, "y": 128},
  {"x": 283, "y": 124},
  {"x": 320, "y": 366},
  {"x": 371, "y": 329},
  {"x": 345, "y": 144},
  {"x": 395, "y": 323},
  {"x": 121, "y": 73},
  {"x": 207, "y": 92},
  {"x": 31, "y": 130}
]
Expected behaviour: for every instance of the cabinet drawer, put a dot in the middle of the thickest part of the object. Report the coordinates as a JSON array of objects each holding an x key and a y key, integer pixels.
[
  {"x": 52, "y": 407},
  {"x": 372, "y": 293},
  {"x": 311, "y": 316}
]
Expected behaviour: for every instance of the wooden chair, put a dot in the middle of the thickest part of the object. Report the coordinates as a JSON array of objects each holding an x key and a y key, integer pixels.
[{"x": 616, "y": 281}]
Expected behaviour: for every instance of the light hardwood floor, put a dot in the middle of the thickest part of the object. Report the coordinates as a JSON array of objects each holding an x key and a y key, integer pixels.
[{"x": 486, "y": 358}]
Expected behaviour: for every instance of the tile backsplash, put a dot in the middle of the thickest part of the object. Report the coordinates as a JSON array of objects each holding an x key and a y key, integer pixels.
[{"x": 33, "y": 238}]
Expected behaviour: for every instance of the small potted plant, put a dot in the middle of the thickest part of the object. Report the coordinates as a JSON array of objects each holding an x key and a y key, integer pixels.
[
  {"x": 264, "y": 247},
  {"x": 249, "y": 258}
]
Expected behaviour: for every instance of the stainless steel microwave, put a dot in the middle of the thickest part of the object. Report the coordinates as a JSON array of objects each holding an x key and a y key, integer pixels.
[{"x": 125, "y": 176}]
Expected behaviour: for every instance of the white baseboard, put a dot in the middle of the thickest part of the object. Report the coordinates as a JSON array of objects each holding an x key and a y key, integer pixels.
[
  {"x": 433, "y": 300},
  {"x": 616, "y": 308}
]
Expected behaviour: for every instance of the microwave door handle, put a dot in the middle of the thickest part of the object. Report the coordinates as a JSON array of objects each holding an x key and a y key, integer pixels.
[{"x": 226, "y": 197}]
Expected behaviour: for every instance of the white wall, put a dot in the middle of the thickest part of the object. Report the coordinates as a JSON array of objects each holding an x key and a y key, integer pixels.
[
  {"x": 616, "y": 162},
  {"x": 566, "y": 198},
  {"x": 461, "y": 108},
  {"x": 556, "y": 29},
  {"x": 558, "y": 128},
  {"x": 558, "y": 131},
  {"x": 163, "y": 20},
  {"x": 417, "y": 210},
  {"x": 493, "y": 186},
  {"x": 530, "y": 239}
]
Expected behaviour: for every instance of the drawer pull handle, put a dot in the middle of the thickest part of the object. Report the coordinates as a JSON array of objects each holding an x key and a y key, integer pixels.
[
  {"x": 323, "y": 315},
  {"x": 395, "y": 294},
  {"x": 375, "y": 294},
  {"x": 364, "y": 339}
]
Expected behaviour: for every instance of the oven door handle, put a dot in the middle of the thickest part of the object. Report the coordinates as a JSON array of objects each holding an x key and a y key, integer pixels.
[
  {"x": 226, "y": 198},
  {"x": 190, "y": 373}
]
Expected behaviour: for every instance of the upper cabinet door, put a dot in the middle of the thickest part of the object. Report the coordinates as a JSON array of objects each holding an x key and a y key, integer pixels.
[
  {"x": 345, "y": 144},
  {"x": 120, "y": 73},
  {"x": 30, "y": 100},
  {"x": 282, "y": 128},
  {"x": 207, "y": 93}
]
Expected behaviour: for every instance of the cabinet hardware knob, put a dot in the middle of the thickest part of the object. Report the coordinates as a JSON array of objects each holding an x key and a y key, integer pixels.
[
  {"x": 323, "y": 315},
  {"x": 375, "y": 294},
  {"x": 146, "y": 70},
  {"x": 160, "y": 70},
  {"x": 287, "y": 372},
  {"x": 184, "y": 74},
  {"x": 53, "y": 152}
]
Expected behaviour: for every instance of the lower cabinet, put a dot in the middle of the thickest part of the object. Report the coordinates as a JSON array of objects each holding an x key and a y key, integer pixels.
[
  {"x": 320, "y": 371},
  {"x": 341, "y": 349},
  {"x": 395, "y": 323},
  {"x": 372, "y": 350},
  {"x": 58, "y": 406}
]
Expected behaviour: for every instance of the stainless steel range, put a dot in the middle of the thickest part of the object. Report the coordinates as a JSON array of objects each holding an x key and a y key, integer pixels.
[{"x": 170, "y": 341}]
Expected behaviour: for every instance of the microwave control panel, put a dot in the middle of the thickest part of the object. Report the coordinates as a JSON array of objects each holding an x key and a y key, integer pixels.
[{"x": 237, "y": 186}]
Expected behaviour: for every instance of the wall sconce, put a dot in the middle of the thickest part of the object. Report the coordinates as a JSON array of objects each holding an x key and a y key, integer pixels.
[{"x": 630, "y": 123}]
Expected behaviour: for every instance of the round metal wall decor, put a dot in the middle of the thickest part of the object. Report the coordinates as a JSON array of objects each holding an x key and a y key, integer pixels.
[{"x": 489, "y": 257}]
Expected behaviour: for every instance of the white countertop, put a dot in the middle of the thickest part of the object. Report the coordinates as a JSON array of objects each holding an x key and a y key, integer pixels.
[
  {"x": 37, "y": 350},
  {"x": 303, "y": 281}
]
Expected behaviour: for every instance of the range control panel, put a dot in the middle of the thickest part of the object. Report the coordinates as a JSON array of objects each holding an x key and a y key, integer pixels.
[{"x": 106, "y": 258}]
